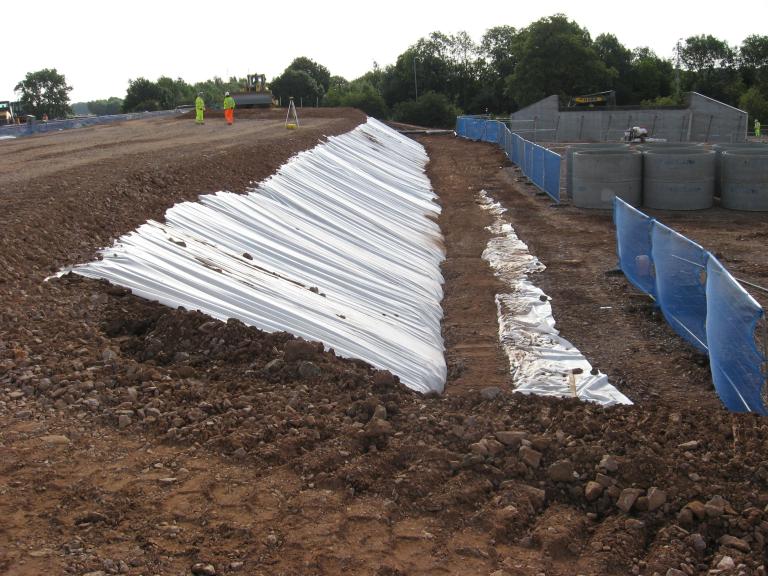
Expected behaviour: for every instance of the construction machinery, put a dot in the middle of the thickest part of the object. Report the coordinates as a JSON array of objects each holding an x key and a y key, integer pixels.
[
  {"x": 636, "y": 134},
  {"x": 255, "y": 95},
  {"x": 607, "y": 98},
  {"x": 5, "y": 112},
  {"x": 10, "y": 112}
]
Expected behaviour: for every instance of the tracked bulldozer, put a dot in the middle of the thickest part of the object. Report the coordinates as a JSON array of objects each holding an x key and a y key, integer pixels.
[{"x": 255, "y": 95}]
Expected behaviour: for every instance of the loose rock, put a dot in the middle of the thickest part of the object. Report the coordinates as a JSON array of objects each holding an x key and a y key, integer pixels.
[
  {"x": 593, "y": 490},
  {"x": 530, "y": 456},
  {"x": 202, "y": 569},
  {"x": 627, "y": 498},
  {"x": 561, "y": 471},
  {"x": 490, "y": 393}
]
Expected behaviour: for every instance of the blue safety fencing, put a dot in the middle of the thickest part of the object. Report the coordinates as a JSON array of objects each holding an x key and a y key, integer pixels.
[
  {"x": 40, "y": 127},
  {"x": 540, "y": 165},
  {"x": 701, "y": 301}
]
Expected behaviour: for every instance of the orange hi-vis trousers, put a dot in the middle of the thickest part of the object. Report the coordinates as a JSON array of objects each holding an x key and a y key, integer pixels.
[{"x": 229, "y": 114}]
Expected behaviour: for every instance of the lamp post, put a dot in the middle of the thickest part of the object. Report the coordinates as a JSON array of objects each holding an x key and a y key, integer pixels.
[{"x": 415, "y": 83}]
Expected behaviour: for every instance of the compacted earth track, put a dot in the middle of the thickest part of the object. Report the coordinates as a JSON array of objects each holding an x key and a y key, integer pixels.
[{"x": 137, "y": 439}]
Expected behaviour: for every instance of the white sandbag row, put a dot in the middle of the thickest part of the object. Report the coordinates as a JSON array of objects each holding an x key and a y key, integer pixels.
[
  {"x": 540, "y": 360},
  {"x": 340, "y": 245}
]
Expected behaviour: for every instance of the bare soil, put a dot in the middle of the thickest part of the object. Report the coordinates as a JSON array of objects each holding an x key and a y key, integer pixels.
[{"x": 137, "y": 439}]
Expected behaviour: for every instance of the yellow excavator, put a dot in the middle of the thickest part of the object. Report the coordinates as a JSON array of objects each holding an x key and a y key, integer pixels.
[
  {"x": 255, "y": 95},
  {"x": 607, "y": 98},
  {"x": 7, "y": 115}
]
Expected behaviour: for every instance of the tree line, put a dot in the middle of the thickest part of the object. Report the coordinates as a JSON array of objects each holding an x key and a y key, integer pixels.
[{"x": 443, "y": 75}]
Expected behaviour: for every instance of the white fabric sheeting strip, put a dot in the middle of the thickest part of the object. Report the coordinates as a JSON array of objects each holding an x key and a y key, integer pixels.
[
  {"x": 340, "y": 245},
  {"x": 541, "y": 361}
]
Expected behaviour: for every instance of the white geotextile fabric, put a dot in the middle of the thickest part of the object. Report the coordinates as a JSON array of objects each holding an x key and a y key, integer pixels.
[
  {"x": 541, "y": 361},
  {"x": 340, "y": 245}
]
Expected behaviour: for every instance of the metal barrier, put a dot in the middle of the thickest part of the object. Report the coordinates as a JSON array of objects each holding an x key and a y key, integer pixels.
[
  {"x": 701, "y": 301},
  {"x": 540, "y": 165},
  {"x": 39, "y": 127}
]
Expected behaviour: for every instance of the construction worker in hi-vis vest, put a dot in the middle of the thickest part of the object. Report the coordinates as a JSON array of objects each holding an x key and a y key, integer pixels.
[
  {"x": 757, "y": 127},
  {"x": 199, "y": 108},
  {"x": 229, "y": 108}
]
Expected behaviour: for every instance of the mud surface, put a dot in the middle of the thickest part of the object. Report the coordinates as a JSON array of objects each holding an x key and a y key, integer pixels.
[{"x": 137, "y": 439}]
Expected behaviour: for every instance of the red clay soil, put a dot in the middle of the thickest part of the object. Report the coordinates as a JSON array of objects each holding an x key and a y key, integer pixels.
[{"x": 137, "y": 439}]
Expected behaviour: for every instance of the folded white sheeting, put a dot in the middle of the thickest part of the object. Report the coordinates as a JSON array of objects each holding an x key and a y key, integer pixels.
[
  {"x": 340, "y": 245},
  {"x": 541, "y": 361}
]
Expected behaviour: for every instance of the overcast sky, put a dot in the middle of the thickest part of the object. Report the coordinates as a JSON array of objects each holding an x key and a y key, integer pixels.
[{"x": 99, "y": 46}]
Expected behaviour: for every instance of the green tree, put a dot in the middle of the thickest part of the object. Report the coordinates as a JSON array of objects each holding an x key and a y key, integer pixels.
[
  {"x": 337, "y": 89},
  {"x": 754, "y": 61},
  {"x": 318, "y": 72},
  {"x": 442, "y": 63},
  {"x": 499, "y": 49},
  {"x": 501, "y": 45},
  {"x": 701, "y": 53},
  {"x": 618, "y": 60},
  {"x": 45, "y": 92},
  {"x": 111, "y": 105},
  {"x": 754, "y": 102},
  {"x": 649, "y": 76},
  {"x": 465, "y": 63},
  {"x": 375, "y": 76},
  {"x": 80, "y": 108},
  {"x": 360, "y": 94},
  {"x": 660, "y": 101},
  {"x": 710, "y": 68},
  {"x": 754, "y": 51},
  {"x": 366, "y": 98},
  {"x": 423, "y": 67},
  {"x": 431, "y": 109},
  {"x": 296, "y": 83},
  {"x": 174, "y": 92},
  {"x": 143, "y": 95},
  {"x": 557, "y": 57}
]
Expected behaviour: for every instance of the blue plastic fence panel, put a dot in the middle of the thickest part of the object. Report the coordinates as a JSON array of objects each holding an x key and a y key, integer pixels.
[
  {"x": 39, "y": 127},
  {"x": 504, "y": 140},
  {"x": 470, "y": 129},
  {"x": 502, "y": 134},
  {"x": 491, "y": 131},
  {"x": 507, "y": 139},
  {"x": 515, "y": 150},
  {"x": 527, "y": 158},
  {"x": 738, "y": 364},
  {"x": 537, "y": 175},
  {"x": 681, "y": 275},
  {"x": 476, "y": 129},
  {"x": 461, "y": 126},
  {"x": 552, "y": 174},
  {"x": 633, "y": 238},
  {"x": 540, "y": 165},
  {"x": 736, "y": 361}
]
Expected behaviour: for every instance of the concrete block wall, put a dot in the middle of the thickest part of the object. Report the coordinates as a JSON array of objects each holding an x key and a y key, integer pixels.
[{"x": 703, "y": 120}]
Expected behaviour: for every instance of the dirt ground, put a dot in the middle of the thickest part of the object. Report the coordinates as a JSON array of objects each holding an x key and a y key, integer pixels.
[{"x": 136, "y": 439}]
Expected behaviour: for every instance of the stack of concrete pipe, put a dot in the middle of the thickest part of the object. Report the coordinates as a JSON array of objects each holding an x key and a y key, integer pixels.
[
  {"x": 573, "y": 148},
  {"x": 669, "y": 175},
  {"x": 679, "y": 178},
  {"x": 744, "y": 179},
  {"x": 599, "y": 175},
  {"x": 720, "y": 148}
]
